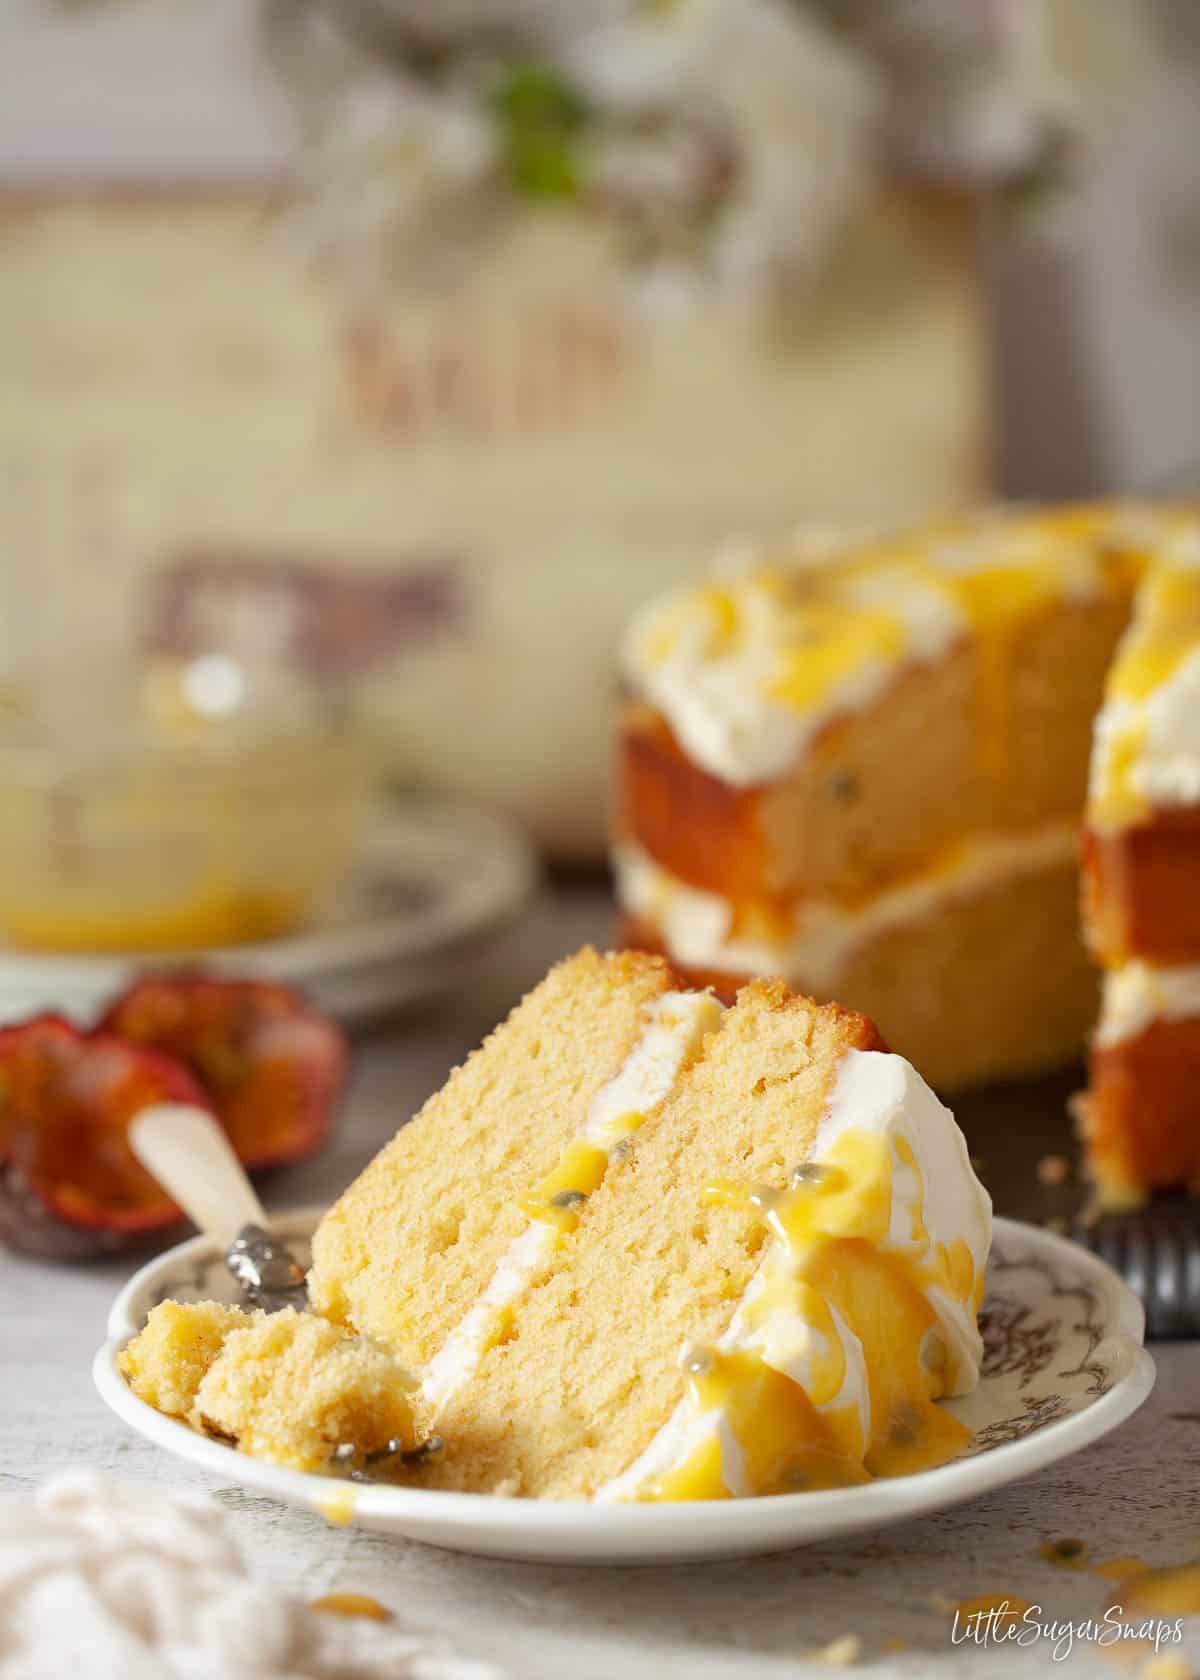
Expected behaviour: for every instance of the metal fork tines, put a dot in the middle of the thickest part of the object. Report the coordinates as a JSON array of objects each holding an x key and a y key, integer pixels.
[
  {"x": 1156, "y": 1249},
  {"x": 269, "y": 1274}
]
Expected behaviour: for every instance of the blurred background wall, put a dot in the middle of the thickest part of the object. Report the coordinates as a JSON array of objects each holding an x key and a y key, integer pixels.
[
  {"x": 306, "y": 347},
  {"x": 1096, "y": 315}
]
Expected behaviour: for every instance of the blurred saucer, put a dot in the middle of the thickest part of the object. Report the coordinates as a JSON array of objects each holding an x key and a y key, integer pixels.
[{"x": 433, "y": 881}]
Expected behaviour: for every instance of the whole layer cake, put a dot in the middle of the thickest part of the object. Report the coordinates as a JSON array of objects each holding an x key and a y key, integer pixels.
[
  {"x": 638, "y": 1247},
  {"x": 862, "y": 767}
]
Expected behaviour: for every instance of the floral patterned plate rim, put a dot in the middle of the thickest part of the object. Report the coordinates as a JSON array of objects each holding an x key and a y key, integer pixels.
[{"x": 1064, "y": 1364}]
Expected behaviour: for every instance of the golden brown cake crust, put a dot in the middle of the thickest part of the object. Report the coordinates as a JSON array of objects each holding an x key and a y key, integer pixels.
[
  {"x": 1140, "y": 894},
  {"x": 1142, "y": 1114}
]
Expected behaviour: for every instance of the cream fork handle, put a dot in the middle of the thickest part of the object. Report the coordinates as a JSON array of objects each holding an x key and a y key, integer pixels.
[{"x": 185, "y": 1149}]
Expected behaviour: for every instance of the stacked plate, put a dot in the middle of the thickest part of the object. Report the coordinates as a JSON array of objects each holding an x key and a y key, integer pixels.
[{"x": 433, "y": 882}]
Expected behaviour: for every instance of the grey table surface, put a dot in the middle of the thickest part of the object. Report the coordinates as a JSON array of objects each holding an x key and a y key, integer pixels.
[{"x": 1138, "y": 1492}]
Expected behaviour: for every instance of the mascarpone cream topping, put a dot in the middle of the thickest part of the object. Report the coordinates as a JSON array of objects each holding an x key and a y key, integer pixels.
[
  {"x": 1137, "y": 994},
  {"x": 675, "y": 1025},
  {"x": 748, "y": 669},
  {"x": 698, "y": 927},
  {"x": 1146, "y": 745},
  {"x": 889, "y": 1201}
]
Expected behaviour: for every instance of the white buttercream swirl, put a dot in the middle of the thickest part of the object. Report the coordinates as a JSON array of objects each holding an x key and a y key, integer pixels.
[
  {"x": 713, "y": 660},
  {"x": 1137, "y": 994},
  {"x": 936, "y": 1200},
  {"x": 696, "y": 927},
  {"x": 1168, "y": 768}
]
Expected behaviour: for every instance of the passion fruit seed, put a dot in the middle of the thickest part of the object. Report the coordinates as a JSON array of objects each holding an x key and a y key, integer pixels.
[
  {"x": 568, "y": 1199},
  {"x": 905, "y": 1424},
  {"x": 360, "y": 1464},
  {"x": 696, "y": 1360},
  {"x": 427, "y": 1449},
  {"x": 809, "y": 1172},
  {"x": 1064, "y": 1551},
  {"x": 763, "y": 1197}
]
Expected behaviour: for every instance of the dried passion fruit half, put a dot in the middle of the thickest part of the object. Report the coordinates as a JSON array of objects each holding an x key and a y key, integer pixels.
[
  {"x": 69, "y": 1184},
  {"x": 272, "y": 1066}
]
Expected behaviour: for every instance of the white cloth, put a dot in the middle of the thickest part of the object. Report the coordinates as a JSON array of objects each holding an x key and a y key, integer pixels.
[{"x": 106, "y": 1581}]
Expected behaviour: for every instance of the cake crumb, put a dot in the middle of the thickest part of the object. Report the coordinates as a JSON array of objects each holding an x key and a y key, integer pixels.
[
  {"x": 1053, "y": 1169},
  {"x": 352, "y": 1604},
  {"x": 338, "y": 1507},
  {"x": 844, "y": 1652},
  {"x": 1065, "y": 1554}
]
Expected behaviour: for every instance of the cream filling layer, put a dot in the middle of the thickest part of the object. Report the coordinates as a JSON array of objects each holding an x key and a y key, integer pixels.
[
  {"x": 1137, "y": 994},
  {"x": 696, "y": 926},
  {"x": 674, "y": 1026},
  {"x": 935, "y": 1206}
]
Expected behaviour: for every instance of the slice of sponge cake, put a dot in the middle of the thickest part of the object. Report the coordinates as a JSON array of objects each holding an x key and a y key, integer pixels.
[
  {"x": 638, "y": 1249},
  {"x": 475, "y": 1192}
]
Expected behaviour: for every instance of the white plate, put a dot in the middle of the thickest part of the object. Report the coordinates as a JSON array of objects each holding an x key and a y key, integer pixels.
[
  {"x": 1064, "y": 1364},
  {"x": 432, "y": 881}
]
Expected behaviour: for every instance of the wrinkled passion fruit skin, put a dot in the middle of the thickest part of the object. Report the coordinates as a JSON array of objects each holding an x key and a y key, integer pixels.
[
  {"x": 273, "y": 1066},
  {"x": 29, "y": 1226},
  {"x": 253, "y": 1053},
  {"x": 70, "y": 1187}
]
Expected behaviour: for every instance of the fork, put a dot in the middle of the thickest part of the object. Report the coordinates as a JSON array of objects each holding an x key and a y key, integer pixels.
[
  {"x": 185, "y": 1149},
  {"x": 1156, "y": 1249}
]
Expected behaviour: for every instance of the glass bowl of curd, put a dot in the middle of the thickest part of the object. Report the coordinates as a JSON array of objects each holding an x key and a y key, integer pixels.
[{"x": 165, "y": 804}]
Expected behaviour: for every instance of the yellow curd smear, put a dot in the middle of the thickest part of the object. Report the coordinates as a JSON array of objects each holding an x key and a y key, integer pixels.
[
  {"x": 1120, "y": 1568},
  {"x": 338, "y": 1506},
  {"x": 787, "y": 1444},
  {"x": 996, "y": 601},
  {"x": 999, "y": 596},
  {"x": 353, "y": 1605},
  {"x": 558, "y": 1200},
  {"x": 830, "y": 1257},
  {"x": 711, "y": 612},
  {"x": 212, "y": 917},
  {"x": 1162, "y": 1592},
  {"x": 825, "y": 644}
]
